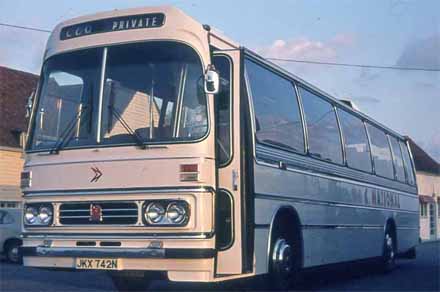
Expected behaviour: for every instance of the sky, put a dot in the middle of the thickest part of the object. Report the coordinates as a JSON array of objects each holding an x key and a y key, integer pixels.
[{"x": 402, "y": 33}]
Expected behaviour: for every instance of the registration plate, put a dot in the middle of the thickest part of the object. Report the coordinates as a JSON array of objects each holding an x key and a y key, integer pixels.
[{"x": 97, "y": 264}]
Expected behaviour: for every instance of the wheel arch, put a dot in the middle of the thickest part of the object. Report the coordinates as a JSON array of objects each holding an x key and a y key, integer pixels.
[
  {"x": 285, "y": 212},
  {"x": 12, "y": 240}
]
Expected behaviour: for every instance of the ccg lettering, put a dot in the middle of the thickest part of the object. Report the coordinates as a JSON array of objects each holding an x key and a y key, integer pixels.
[{"x": 141, "y": 21}]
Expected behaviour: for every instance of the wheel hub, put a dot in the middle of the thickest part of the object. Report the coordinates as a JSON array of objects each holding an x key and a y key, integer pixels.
[
  {"x": 282, "y": 258},
  {"x": 389, "y": 248}
]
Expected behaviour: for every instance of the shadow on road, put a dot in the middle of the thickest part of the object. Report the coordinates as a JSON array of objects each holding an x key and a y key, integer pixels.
[
  {"x": 348, "y": 277},
  {"x": 310, "y": 280},
  {"x": 421, "y": 274}
]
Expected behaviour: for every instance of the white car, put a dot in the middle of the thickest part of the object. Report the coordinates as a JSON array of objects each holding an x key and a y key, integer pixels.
[{"x": 10, "y": 229}]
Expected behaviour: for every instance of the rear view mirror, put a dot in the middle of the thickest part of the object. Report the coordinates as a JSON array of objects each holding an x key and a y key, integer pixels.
[{"x": 212, "y": 80}]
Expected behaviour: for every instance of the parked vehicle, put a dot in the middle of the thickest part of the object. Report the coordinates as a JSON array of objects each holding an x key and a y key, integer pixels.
[
  {"x": 158, "y": 145},
  {"x": 10, "y": 229}
]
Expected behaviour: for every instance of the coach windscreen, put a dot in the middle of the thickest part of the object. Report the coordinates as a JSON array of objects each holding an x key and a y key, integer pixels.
[{"x": 138, "y": 93}]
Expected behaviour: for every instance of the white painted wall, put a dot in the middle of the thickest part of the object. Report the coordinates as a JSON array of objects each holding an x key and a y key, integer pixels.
[{"x": 429, "y": 185}]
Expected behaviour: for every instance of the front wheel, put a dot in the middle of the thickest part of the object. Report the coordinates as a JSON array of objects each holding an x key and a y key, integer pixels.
[{"x": 284, "y": 261}]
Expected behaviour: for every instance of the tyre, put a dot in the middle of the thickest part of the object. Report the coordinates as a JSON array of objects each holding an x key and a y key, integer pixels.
[
  {"x": 285, "y": 257},
  {"x": 12, "y": 251},
  {"x": 388, "y": 261}
]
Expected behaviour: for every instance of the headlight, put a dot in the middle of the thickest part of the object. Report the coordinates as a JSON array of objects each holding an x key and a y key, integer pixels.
[
  {"x": 154, "y": 213},
  {"x": 166, "y": 213},
  {"x": 176, "y": 212},
  {"x": 30, "y": 216},
  {"x": 45, "y": 215},
  {"x": 38, "y": 214}
]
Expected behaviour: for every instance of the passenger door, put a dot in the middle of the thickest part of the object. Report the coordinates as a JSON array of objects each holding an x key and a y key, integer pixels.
[{"x": 230, "y": 213}]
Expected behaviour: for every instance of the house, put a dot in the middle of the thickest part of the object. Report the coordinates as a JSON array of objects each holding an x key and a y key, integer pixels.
[
  {"x": 428, "y": 181},
  {"x": 15, "y": 88}
]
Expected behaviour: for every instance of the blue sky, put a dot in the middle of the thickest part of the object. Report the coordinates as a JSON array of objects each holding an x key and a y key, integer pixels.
[{"x": 377, "y": 32}]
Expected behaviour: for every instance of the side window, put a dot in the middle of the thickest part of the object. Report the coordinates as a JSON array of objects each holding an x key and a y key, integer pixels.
[
  {"x": 357, "y": 149},
  {"x": 408, "y": 165},
  {"x": 322, "y": 127},
  {"x": 278, "y": 120},
  {"x": 223, "y": 109},
  {"x": 6, "y": 218},
  {"x": 423, "y": 210},
  {"x": 381, "y": 152},
  {"x": 397, "y": 159}
]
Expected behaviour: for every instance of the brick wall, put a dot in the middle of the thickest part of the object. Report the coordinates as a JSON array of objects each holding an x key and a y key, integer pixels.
[{"x": 15, "y": 88}]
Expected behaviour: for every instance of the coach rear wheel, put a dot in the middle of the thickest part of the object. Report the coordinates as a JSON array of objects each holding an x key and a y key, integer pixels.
[{"x": 389, "y": 251}]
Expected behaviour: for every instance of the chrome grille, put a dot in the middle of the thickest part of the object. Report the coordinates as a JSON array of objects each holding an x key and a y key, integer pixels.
[{"x": 113, "y": 213}]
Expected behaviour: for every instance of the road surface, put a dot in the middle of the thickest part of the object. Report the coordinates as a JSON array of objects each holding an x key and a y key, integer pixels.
[{"x": 422, "y": 274}]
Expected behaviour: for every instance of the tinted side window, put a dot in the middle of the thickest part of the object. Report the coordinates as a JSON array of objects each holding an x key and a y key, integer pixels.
[
  {"x": 357, "y": 149},
  {"x": 381, "y": 152},
  {"x": 322, "y": 126},
  {"x": 408, "y": 165},
  {"x": 397, "y": 159},
  {"x": 223, "y": 109},
  {"x": 278, "y": 120}
]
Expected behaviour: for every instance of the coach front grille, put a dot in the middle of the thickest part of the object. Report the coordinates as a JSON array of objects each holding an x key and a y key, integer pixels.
[{"x": 111, "y": 213}]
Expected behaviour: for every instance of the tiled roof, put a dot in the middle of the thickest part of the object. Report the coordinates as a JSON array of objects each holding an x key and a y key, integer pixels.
[
  {"x": 15, "y": 88},
  {"x": 422, "y": 160}
]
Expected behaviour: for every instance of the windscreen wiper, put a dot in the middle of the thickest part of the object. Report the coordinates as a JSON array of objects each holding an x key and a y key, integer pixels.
[
  {"x": 67, "y": 133},
  {"x": 129, "y": 130}
]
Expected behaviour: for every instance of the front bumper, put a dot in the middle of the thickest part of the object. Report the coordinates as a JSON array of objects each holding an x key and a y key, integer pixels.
[
  {"x": 180, "y": 264},
  {"x": 133, "y": 253}
]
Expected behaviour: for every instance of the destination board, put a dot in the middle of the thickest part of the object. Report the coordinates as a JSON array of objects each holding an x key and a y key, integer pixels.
[{"x": 140, "y": 21}]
